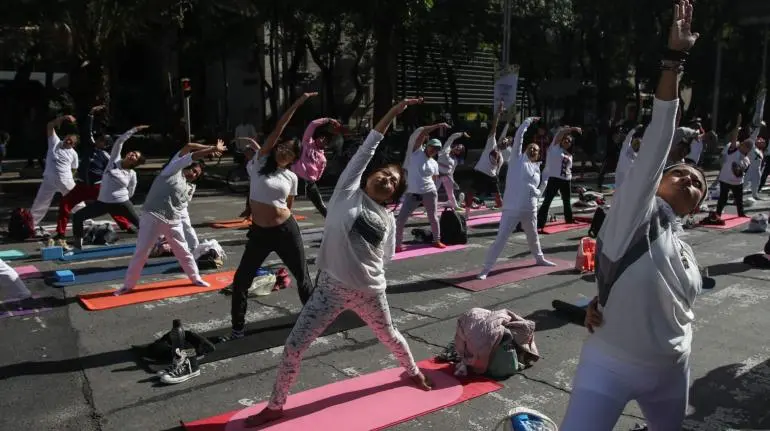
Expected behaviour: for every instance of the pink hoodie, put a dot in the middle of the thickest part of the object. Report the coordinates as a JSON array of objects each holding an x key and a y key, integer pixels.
[{"x": 312, "y": 161}]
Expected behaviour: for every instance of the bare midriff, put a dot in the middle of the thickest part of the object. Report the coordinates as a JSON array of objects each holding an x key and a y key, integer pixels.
[{"x": 264, "y": 215}]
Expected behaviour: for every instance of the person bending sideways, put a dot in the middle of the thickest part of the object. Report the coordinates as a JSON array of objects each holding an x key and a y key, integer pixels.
[
  {"x": 358, "y": 242},
  {"x": 647, "y": 278},
  {"x": 312, "y": 160}
]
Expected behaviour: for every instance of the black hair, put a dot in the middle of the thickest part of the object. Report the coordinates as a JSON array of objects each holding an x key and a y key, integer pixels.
[
  {"x": 673, "y": 166},
  {"x": 325, "y": 131},
  {"x": 271, "y": 164},
  {"x": 400, "y": 187}
]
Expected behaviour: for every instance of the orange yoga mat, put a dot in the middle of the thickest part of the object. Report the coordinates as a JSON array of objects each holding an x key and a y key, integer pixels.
[
  {"x": 104, "y": 299},
  {"x": 239, "y": 223}
]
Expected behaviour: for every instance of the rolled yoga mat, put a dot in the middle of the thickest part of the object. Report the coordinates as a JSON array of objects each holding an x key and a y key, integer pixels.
[{"x": 101, "y": 275}]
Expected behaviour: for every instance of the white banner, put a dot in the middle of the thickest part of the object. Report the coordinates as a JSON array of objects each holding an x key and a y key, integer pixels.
[{"x": 505, "y": 90}]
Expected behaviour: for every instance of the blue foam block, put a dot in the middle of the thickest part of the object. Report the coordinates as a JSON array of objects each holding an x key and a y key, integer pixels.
[
  {"x": 99, "y": 252},
  {"x": 12, "y": 254},
  {"x": 65, "y": 276},
  {"x": 51, "y": 253},
  {"x": 96, "y": 275}
]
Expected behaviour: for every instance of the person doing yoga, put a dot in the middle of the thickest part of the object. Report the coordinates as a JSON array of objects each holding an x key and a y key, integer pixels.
[
  {"x": 10, "y": 281},
  {"x": 448, "y": 159},
  {"x": 358, "y": 242},
  {"x": 557, "y": 175},
  {"x": 628, "y": 152},
  {"x": 272, "y": 190},
  {"x": 647, "y": 277},
  {"x": 484, "y": 176},
  {"x": 312, "y": 160},
  {"x": 116, "y": 190},
  {"x": 519, "y": 200},
  {"x": 163, "y": 210}
]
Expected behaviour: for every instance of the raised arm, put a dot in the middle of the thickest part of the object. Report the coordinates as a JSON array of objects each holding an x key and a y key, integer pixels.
[
  {"x": 507, "y": 126},
  {"x": 518, "y": 140},
  {"x": 496, "y": 120},
  {"x": 634, "y": 201},
  {"x": 272, "y": 139},
  {"x": 117, "y": 147},
  {"x": 419, "y": 138},
  {"x": 180, "y": 163},
  {"x": 192, "y": 147},
  {"x": 448, "y": 144},
  {"x": 350, "y": 179},
  {"x": 310, "y": 129},
  {"x": 91, "y": 114},
  {"x": 53, "y": 125},
  {"x": 759, "y": 113}
]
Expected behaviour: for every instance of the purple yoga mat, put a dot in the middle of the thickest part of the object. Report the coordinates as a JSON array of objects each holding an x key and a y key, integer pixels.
[
  {"x": 507, "y": 273},
  {"x": 10, "y": 309}
]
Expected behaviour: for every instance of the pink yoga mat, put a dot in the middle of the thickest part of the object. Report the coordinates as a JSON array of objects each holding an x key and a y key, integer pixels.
[
  {"x": 27, "y": 271},
  {"x": 510, "y": 272},
  {"x": 731, "y": 221},
  {"x": 561, "y": 226},
  {"x": 424, "y": 250},
  {"x": 371, "y": 402},
  {"x": 485, "y": 219}
]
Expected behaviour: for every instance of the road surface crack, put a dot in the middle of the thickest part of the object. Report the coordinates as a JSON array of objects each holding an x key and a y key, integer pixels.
[{"x": 416, "y": 313}]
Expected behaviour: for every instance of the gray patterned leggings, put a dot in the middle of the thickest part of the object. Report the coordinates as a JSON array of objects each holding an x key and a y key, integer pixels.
[{"x": 329, "y": 299}]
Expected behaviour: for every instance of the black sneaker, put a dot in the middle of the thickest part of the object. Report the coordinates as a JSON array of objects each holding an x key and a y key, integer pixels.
[
  {"x": 179, "y": 357},
  {"x": 234, "y": 335},
  {"x": 185, "y": 371}
]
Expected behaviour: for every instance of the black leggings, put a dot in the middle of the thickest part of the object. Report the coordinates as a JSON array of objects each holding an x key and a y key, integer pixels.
[
  {"x": 98, "y": 208},
  {"x": 562, "y": 187},
  {"x": 312, "y": 192},
  {"x": 724, "y": 190},
  {"x": 286, "y": 241}
]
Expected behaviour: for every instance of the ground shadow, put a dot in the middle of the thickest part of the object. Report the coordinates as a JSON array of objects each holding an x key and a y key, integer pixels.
[
  {"x": 733, "y": 397},
  {"x": 29, "y": 368},
  {"x": 727, "y": 268},
  {"x": 546, "y": 320}
]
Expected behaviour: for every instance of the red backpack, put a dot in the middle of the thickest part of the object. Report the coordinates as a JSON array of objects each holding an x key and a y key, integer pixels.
[{"x": 20, "y": 225}]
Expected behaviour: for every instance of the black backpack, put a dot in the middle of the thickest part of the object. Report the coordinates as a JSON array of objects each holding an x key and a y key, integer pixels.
[
  {"x": 596, "y": 223},
  {"x": 20, "y": 225},
  {"x": 453, "y": 228}
]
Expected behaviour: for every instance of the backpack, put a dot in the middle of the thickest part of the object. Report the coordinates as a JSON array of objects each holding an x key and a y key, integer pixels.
[
  {"x": 758, "y": 224},
  {"x": 596, "y": 222},
  {"x": 20, "y": 225},
  {"x": 453, "y": 228},
  {"x": 100, "y": 234}
]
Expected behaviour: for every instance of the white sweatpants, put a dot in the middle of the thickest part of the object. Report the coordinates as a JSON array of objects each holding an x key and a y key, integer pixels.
[
  {"x": 753, "y": 176},
  {"x": 190, "y": 237},
  {"x": 603, "y": 385},
  {"x": 508, "y": 222},
  {"x": 10, "y": 280},
  {"x": 46, "y": 192},
  {"x": 150, "y": 228},
  {"x": 449, "y": 187}
]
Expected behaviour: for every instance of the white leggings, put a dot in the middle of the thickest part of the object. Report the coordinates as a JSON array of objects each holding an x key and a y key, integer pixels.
[
  {"x": 603, "y": 385},
  {"x": 189, "y": 233},
  {"x": 753, "y": 176},
  {"x": 10, "y": 280},
  {"x": 46, "y": 192},
  {"x": 150, "y": 228},
  {"x": 449, "y": 187},
  {"x": 508, "y": 221}
]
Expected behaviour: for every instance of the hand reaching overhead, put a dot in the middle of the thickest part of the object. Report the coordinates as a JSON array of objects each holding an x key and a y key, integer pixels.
[{"x": 681, "y": 38}]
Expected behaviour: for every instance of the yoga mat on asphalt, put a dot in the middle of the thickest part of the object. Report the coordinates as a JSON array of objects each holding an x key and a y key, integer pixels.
[
  {"x": 561, "y": 226},
  {"x": 370, "y": 402},
  {"x": 239, "y": 223},
  {"x": 99, "y": 252},
  {"x": 12, "y": 254},
  {"x": 415, "y": 250},
  {"x": 104, "y": 299},
  {"x": 731, "y": 221},
  {"x": 101, "y": 275},
  {"x": 485, "y": 219},
  {"x": 260, "y": 335},
  {"x": 510, "y": 272},
  {"x": 10, "y": 308},
  {"x": 27, "y": 271}
]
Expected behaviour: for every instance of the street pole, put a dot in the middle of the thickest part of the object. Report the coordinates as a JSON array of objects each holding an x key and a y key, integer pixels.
[{"x": 186, "y": 92}]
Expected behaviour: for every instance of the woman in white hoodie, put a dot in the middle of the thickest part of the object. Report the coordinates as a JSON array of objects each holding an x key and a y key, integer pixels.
[{"x": 641, "y": 321}]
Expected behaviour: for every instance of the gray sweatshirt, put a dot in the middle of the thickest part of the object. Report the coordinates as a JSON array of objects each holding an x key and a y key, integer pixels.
[{"x": 168, "y": 195}]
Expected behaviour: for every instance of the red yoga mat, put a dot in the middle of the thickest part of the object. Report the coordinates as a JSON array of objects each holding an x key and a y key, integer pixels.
[
  {"x": 561, "y": 226},
  {"x": 424, "y": 250},
  {"x": 239, "y": 223},
  {"x": 510, "y": 272},
  {"x": 104, "y": 300},
  {"x": 371, "y": 402},
  {"x": 731, "y": 221}
]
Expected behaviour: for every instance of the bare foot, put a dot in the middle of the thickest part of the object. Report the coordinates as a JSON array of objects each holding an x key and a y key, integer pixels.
[
  {"x": 263, "y": 417},
  {"x": 422, "y": 381}
]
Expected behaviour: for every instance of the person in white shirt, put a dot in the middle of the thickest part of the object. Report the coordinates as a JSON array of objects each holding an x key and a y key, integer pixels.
[
  {"x": 358, "y": 242},
  {"x": 756, "y": 156},
  {"x": 736, "y": 163},
  {"x": 647, "y": 278},
  {"x": 628, "y": 153},
  {"x": 421, "y": 188},
  {"x": 419, "y": 136},
  {"x": 696, "y": 146},
  {"x": 448, "y": 159},
  {"x": 519, "y": 200},
  {"x": 557, "y": 175},
  {"x": 117, "y": 188},
  {"x": 10, "y": 280},
  {"x": 61, "y": 160}
]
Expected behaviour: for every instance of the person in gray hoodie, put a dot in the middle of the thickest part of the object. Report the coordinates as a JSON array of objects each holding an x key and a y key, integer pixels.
[{"x": 647, "y": 277}]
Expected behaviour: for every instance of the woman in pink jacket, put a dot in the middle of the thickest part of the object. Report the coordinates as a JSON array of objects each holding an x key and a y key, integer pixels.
[{"x": 312, "y": 161}]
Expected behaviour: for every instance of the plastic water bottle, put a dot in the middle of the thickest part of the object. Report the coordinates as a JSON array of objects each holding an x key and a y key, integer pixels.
[{"x": 177, "y": 335}]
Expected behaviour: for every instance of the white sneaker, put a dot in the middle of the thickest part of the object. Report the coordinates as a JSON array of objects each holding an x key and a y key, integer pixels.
[
  {"x": 182, "y": 373},
  {"x": 40, "y": 232},
  {"x": 179, "y": 357}
]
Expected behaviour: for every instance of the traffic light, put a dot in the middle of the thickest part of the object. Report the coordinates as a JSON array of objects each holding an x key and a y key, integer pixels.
[{"x": 186, "y": 87}]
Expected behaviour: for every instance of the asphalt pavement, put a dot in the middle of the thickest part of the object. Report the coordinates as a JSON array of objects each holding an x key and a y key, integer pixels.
[{"x": 73, "y": 369}]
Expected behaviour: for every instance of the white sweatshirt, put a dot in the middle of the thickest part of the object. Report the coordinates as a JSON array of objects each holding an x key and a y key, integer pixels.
[
  {"x": 446, "y": 162},
  {"x": 410, "y": 146},
  {"x": 523, "y": 178},
  {"x": 558, "y": 162},
  {"x": 359, "y": 233},
  {"x": 118, "y": 184},
  {"x": 485, "y": 164},
  {"x": 423, "y": 169},
  {"x": 647, "y": 277},
  {"x": 60, "y": 162},
  {"x": 626, "y": 159}
]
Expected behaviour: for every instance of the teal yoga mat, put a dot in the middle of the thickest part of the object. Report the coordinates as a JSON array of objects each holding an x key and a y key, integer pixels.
[
  {"x": 12, "y": 254},
  {"x": 101, "y": 275},
  {"x": 99, "y": 252}
]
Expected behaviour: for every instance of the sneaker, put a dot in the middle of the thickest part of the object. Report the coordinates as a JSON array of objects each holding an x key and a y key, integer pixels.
[
  {"x": 234, "y": 335},
  {"x": 185, "y": 371},
  {"x": 61, "y": 242},
  {"x": 40, "y": 232}
]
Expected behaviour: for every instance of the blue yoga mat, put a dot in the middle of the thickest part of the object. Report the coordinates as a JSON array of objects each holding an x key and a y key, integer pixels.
[
  {"x": 12, "y": 254},
  {"x": 101, "y": 275},
  {"x": 100, "y": 252}
]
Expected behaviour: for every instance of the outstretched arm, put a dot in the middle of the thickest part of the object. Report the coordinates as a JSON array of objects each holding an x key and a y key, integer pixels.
[
  {"x": 496, "y": 120},
  {"x": 53, "y": 139},
  {"x": 180, "y": 163},
  {"x": 759, "y": 113},
  {"x": 416, "y": 143},
  {"x": 272, "y": 139},
  {"x": 310, "y": 130},
  {"x": 117, "y": 147},
  {"x": 91, "y": 114},
  {"x": 518, "y": 140}
]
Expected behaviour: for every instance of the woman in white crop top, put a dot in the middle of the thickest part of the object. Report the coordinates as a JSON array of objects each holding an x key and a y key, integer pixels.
[
  {"x": 358, "y": 241},
  {"x": 273, "y": 187},
  {"x": 647, "y": 278}
]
